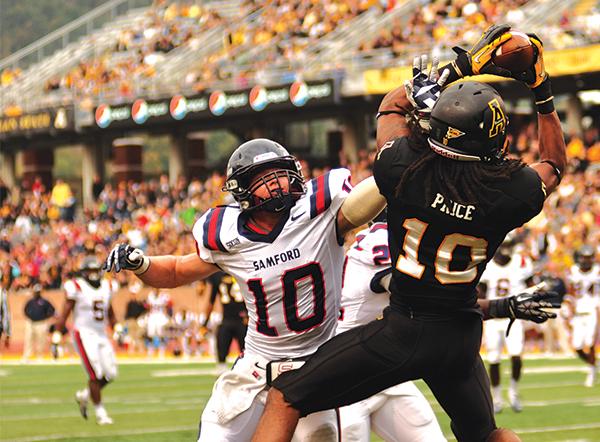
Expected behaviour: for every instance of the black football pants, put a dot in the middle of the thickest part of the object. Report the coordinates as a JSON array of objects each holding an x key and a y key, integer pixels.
[
  {"x": 363, "y": 361},
  {"x": 226, "y": 333}
]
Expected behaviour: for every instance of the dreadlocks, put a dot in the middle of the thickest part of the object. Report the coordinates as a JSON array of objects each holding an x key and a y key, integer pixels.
[{"x": 463, "y": 182}]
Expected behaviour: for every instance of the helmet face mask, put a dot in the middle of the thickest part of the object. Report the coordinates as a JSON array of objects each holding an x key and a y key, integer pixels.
[
  {"x": 244, "y": 176},
  {"x": 468, "y": 123},
  {"x": 585, "y": 258},
  {"x": 91, "y": 271}
]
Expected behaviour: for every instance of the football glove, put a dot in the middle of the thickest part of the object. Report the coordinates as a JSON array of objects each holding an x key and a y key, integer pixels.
[
  {"x": 125, "y": 257},
  {"x": 119, "y": 334},
  {"x": 55, "y": 342},
  {"x": 478, "y": 60},
  {"x": 425, "y": 88},
  {"x": 526, "y": 305}
]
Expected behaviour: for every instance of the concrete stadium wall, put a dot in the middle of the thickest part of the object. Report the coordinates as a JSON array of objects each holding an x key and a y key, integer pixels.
[{"x": 182, "y": 297}]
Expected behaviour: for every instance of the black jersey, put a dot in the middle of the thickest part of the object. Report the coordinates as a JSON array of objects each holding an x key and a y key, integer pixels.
[
  {"x": 228, "y": 290},
  {"x": 439, "y": 247}
]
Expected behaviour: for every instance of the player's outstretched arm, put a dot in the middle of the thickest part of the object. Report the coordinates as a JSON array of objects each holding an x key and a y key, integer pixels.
[
  {"x": 362, "y": 205},
  {"x": 553, "y": 157},
  {"x": 159, "y": 271},
  {"x": 529, "y": 305},
  {"x": 391, "y": 117}
]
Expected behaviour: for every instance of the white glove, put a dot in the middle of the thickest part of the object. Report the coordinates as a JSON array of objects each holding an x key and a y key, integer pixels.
[
  {"x": 123, "y": 256},
  {"x": 424, "y": 89}
]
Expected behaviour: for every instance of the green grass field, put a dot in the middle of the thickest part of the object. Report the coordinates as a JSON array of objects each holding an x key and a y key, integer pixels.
[{"x": 163, "y": 402}]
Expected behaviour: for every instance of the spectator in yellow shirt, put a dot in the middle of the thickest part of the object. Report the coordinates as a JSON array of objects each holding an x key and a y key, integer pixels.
[{"x": 63, "y": 198}]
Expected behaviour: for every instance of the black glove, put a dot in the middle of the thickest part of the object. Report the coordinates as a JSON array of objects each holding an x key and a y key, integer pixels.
[
  {"x": 125, "y": 257},
  {"x": 425, "y": 88},
  {"x": 526, "y": 306},
  {"x": 479, "y": 59}
]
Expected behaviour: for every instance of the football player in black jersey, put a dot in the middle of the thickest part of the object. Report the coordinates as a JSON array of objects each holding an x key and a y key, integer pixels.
[
  {"x": 452, "y": 197},
  {"x": 235, "y": 317}
]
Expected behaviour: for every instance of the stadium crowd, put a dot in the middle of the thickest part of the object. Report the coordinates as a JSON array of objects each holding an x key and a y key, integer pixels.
[
  {"x": 444, "y": 24},
  {"x": 265, "y": 37}
]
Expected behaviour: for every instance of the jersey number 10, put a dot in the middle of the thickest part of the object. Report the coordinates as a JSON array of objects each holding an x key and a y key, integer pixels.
[
  {"x": 409, "y": 262},
  {"x": 289, "y": 280}
]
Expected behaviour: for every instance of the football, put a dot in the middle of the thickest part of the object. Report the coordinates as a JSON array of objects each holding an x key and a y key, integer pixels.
[{"x": 516, "y": 55}]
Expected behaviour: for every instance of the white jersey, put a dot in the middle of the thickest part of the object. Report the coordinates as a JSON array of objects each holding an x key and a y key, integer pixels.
[
  {"x": 586, "y": 288},
  {"x": 368, "y": 256},
  {"x": 290, "y": 278},
  {"x": 157, "y": 303},
  {"x": 509, "y": 279},
  {"x": 90, "y": 313}
]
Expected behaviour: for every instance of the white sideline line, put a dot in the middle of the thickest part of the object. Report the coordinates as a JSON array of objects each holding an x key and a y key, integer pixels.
[
  {"x": 104, "y": 435},
  {"x": 558, "y": 369},
  {"x": 587, "y": 402},
  {"x": 120, "y": 361},
  {"x": 171, "y": 407},
  {"x": 184, "y": 372},
  {"x": 590, "y": 426}
]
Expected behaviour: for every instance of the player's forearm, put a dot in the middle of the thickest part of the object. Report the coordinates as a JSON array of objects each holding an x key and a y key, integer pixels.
[
  {"x": 484, "y": 304},
  {"x": 162, "y": 272},
  {"x": 173, "y": 271},
  {"x": 362, "y": 205},
  {"x": 391, "y": 121},
  {"x": 61, "y": 321},
  {"x": 551, "y": 140}
]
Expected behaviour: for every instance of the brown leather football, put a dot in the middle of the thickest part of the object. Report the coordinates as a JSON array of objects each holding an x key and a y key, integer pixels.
[{"x": 516, "y": 55}]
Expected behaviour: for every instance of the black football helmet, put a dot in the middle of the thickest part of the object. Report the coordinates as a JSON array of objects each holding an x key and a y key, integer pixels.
[
  {"x": 90, "y": 270},
  {"x": 584, "y": 257},
  {"x": 254, "y": 156},
  {"x": 468, "y": 123},
  {"x": 505, "y": 250}
]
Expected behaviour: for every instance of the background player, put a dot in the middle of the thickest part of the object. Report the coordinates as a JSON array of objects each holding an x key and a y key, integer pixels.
[
  {"x": 156, "y": 320},
  {"x": 400, "y": 413},
  {"x": 505, "y": 275},
  {"x": 235, "y": 317},
  {"x": 284, "y": 246},
  {"x": 452, "y": 198},
  {"x": 89, "y": 298},
  {"x": 584, "y": 301}
]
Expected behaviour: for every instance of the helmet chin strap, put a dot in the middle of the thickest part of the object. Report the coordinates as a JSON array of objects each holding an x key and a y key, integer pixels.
[{"x": 279, "y": 203}]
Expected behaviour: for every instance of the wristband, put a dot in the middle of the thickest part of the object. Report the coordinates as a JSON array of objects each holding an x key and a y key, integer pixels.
[
  {"x": 499, "y": 308},
  {"x": 143, "y": 266},
  {"x": 459, "y": 68},
  {"x": 557, "y": 171},
  {"x": 544, "y": 100},
  {"x": 387, "y": 112}
]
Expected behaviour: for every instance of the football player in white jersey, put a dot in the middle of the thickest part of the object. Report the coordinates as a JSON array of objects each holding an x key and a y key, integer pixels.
[
  {"x": 584, "y": 300},
  {"x": 89, "y": 299},
  {"x": 505, "y": 275},
  {"x": 156, "y": 321},
  {"x": 400, "y": 413},
  {"x": 283, "y": 244}
]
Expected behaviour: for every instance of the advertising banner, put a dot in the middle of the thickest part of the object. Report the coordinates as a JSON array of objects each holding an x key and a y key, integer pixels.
[
  {"x": 42, "y": 121},
  {"x": 216, "y": 104}
]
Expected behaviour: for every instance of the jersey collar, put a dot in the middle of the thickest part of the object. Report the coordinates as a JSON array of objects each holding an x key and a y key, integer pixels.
[{"x": 259, "y": 237}]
